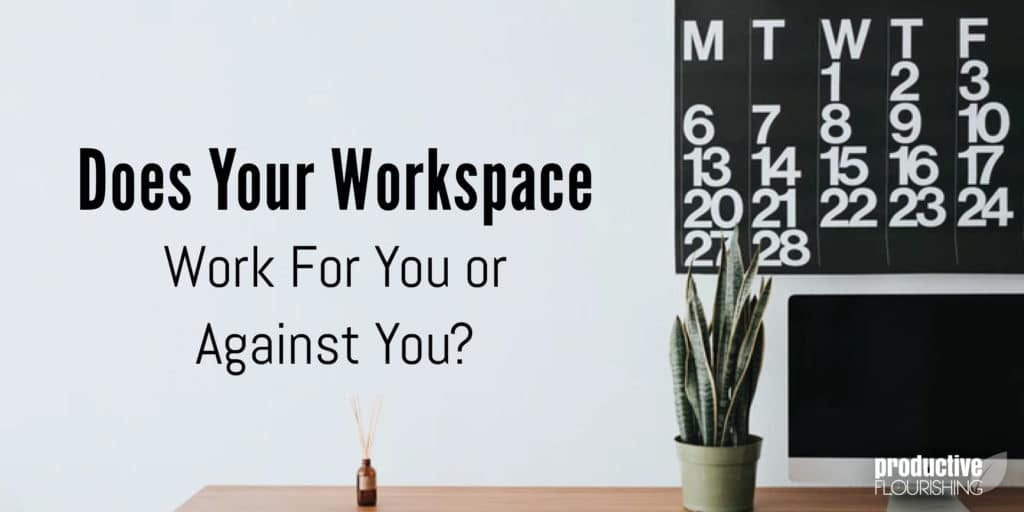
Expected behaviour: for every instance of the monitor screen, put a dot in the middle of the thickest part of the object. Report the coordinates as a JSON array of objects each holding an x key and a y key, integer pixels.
[{"x": 906, "y": 375}]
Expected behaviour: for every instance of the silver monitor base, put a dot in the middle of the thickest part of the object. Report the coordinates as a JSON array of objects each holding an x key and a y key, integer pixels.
[{"x": 925, "y": 504}]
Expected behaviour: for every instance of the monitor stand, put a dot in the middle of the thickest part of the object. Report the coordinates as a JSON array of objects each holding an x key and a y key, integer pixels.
[{"x": 925, "y": 504}]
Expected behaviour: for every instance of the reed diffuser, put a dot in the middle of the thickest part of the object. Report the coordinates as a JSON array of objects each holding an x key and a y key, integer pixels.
[{"x": 366, "y": 476}]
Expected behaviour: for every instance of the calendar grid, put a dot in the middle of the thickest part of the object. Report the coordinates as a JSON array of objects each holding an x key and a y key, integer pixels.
[
  {"x": 956, "y": 151},
  {"x": 885, "y": 120},
  {"x": 817, "y": 150},
  {"x": 843, "y": 172},
  {"x": 750, "y": 115}
]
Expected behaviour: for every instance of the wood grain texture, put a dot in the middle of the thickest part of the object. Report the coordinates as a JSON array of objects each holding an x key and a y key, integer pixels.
[{"x": 546, "y": 499}]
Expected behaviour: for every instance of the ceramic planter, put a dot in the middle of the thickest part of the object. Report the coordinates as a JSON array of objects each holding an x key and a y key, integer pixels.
[{"x": 719, "y": 478}]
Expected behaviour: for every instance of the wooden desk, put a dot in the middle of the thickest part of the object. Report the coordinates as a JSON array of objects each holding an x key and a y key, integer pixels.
[{"x": 547, "y": 499}]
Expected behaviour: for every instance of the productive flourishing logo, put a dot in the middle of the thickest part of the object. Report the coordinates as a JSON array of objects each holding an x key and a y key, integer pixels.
[{"x": 947, "y": 476}]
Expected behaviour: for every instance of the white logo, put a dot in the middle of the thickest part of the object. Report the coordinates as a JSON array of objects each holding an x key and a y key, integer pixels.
[{"x": 947, "y": 476}]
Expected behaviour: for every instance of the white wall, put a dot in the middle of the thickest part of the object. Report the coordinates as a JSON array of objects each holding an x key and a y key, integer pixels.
[{"x": 566, "y": 381}]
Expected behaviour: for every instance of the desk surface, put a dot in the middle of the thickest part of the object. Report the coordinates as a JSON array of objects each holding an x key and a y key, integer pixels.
[{"x": 548, "y": 499}]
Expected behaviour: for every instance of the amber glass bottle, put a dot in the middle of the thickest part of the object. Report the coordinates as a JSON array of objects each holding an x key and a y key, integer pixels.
[{"x": 366, "y": 485}]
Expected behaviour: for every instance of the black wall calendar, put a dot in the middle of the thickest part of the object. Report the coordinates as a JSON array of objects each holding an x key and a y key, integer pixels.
[{"x": 849, "y": 137}]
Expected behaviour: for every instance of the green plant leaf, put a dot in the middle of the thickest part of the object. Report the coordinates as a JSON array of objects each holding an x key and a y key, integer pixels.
[
  {"x": 735, "y": 333},
  {"x": 692, "y": 394},
  {"x": 692, "y": 298},
  {"x": 707, "y": 407},
  {"x": 718, "y": 313},
  {"x": 679, "y": 358},
  {"x": 730, "y": 343},
  {"x": 747, "y": 390},
  {"x": 742, "y": 319},
  {"x": 750, "y": 340},
  {"x": 727, "y": 293},
  {"x": 756, "y": 364}
]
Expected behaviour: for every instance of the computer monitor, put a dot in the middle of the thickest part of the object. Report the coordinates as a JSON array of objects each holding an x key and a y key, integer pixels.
[{"x": 900, "y": 376}]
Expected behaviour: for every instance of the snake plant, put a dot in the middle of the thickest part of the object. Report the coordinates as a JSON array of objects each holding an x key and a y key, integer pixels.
[{"x": 716, "y": 362}]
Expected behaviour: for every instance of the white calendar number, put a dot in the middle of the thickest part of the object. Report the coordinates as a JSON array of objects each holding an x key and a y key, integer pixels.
[
  {"x": 905, "y": 119},
  {"x": 698, "y": 117},
  {"x": 846, "y": 207},
  {"x": 973, "y": 154},
  {"x": 977, "y": 70},
  {"x": 905, "y": 67},
  {"x": 716, "y": 208},
  {"x": 841, "y": 160},
  {"x": 835, "y": 116},
  {"x": 790, "y": 246},
  {"x": 713, "y": 203},
  {"x": 776, "y": 210},
  {"x": 930, "y": 197},
  {"x": 773, "y": 201},
  {"x": 702, "y": 242},
  {"x": 982, "y": 208},
  {"x": 833, "y": 74},
  {"x": 978, "y": 122},
  {"x": 988, "y": 124},
  {"x": 782, "y": 168},
  {"x": 862, "y": 200},
  {"x": 917, "y": 202},
  {"x": 916, "y": 165},
  {"x": 771, "y": 112},
  {"x": 718, "y": 157}
]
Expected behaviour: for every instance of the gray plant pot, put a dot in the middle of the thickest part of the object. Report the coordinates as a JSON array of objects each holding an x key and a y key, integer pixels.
[{"x": 719, "y": 478}]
